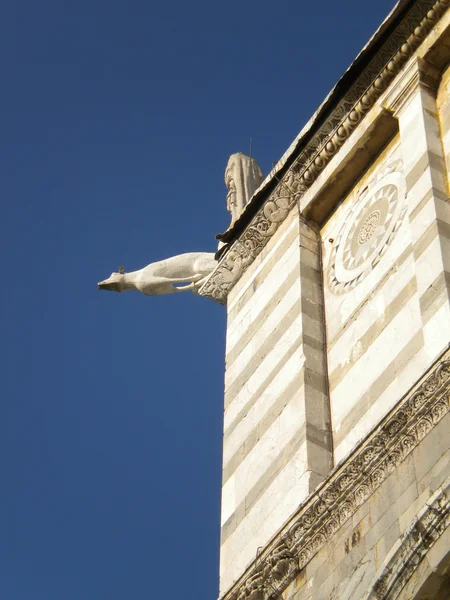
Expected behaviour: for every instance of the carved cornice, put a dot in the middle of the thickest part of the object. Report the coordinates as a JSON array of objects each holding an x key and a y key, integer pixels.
[
  {"x": 413, "y": 546},
  {"x": 348, "y": 487},
  {"x": 418, "y": 73},
  {"x": 336, "y": 129}
]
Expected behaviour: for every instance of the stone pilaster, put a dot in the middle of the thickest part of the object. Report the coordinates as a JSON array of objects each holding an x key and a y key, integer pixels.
[
  {"x": 412, "y": 101},
  {"x": 277, "y": 433},
  {"x": 314, "y": 372}
]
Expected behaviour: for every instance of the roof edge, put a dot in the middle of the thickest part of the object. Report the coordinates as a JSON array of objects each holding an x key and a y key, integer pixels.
[
  {"x": 316, "y": 121},
  {"x": 353, "y": 97}
]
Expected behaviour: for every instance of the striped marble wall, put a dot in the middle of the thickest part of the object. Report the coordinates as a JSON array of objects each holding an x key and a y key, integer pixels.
[
  {"x": 328, "y": 329},
  {"x": 374, "y": 331},
  {"x": 277, "y": 443},
  {"x": 387, "y": 262}
]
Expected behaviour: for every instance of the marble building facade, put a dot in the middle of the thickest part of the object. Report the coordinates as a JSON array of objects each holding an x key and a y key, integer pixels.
[{"x": 336, "y": 278}]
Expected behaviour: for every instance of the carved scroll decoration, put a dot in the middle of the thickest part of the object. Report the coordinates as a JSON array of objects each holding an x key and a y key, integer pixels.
[
  {"x": 361, "y": 97},
  {"x": 348, "y": 487}
]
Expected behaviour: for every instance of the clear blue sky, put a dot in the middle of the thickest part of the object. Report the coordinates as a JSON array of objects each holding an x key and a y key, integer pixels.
[{"x": 117, "y": 119}]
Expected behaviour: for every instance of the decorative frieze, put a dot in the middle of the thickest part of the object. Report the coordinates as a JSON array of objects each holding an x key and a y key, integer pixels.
[
  {"x": 336, "y": 129},
  {"x": 348, "y": 487}
]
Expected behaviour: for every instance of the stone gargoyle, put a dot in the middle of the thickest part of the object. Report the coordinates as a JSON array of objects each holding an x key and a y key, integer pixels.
[
  {"x": 163, "y": 276},
  {"x": 242, "y": 177}
]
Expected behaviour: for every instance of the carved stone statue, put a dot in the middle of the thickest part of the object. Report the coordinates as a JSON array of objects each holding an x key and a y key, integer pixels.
[
  {"x": 243, "y": 176},
  {"x": 161, "y": 277}
]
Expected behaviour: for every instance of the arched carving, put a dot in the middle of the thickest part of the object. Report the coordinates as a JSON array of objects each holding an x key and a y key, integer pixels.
[{"x": 410, "y": 550}]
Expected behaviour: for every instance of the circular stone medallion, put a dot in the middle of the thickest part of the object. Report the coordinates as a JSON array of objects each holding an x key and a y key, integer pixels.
[{"x": 369, "y": 228}]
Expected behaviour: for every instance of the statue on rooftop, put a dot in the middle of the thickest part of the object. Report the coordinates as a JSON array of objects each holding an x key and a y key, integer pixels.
[{"x": 243, "y": 176}]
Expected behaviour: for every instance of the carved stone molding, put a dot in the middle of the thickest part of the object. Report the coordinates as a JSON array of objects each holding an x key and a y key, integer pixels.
[
  {"x": 336, "y": 129},
  {"x": 418, "y": 73},
  {"x": 413, "y": 547},
  {"x": 348, "y": 487}
]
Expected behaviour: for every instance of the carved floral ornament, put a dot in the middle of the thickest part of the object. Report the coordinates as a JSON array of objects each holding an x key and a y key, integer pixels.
[
  {"x": 347, "y": 488},
  {"x": 337, "y": 128}
]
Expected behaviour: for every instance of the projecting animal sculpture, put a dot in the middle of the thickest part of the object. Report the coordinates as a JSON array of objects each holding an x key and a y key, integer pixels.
[
  {"x": 242, "y": 177},
  {"x": 163, "y": 276}
]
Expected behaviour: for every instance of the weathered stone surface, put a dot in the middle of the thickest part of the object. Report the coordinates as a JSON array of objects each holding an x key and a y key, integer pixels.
[
  {"x": 360, "y": 558},
  {"x": 243, "y": 176},
  {"x": 359, "y": 512}
]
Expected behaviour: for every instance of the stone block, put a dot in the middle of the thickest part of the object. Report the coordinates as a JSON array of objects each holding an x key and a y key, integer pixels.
[
  {"x": 390, "y": 494},
  {"x": 436, "y": 475},
  {"x": 432, "y": 448},
  {"x": 387, "y": 541}
]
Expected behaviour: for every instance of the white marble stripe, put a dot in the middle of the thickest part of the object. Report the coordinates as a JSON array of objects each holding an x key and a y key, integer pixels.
[
  {"x": 431, "y": 263},
  {"x": 428, "y": 215},
  {"x": 405, "y": 378},
  {"x": 250, "y": 326},
  {"x": 262, "y": 296},
  {"x": 265, "y": 517},
  {"x": 403, "y": 264},
  {"x": 288, "y": 341},
  {"x": 228, "y": 505},
  {"x": 261, "y": 406},
  {"x": 275, "y": 259},
  {"x": 419, "y": 190},
  {"x": 340, "y": 312},
  {"x": 417, "y": 122},
  {"x": 372, "y": 312},
  {"x": 262, "y": 338},
  {"x": 432, "y": 194},
  {"x": 446, "y": 143},
  {"x": 242, "y": 354},
  {"x": 442, "y": 208},
  {"x": 371, "y": 364},
  {"x": 436, "y": 331},
  {"x": 280, "y": 240},
  {"x": 268, "y": 448},
  {"x": 266, "y": 381},
  {"x": 255, "y": 434}
]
